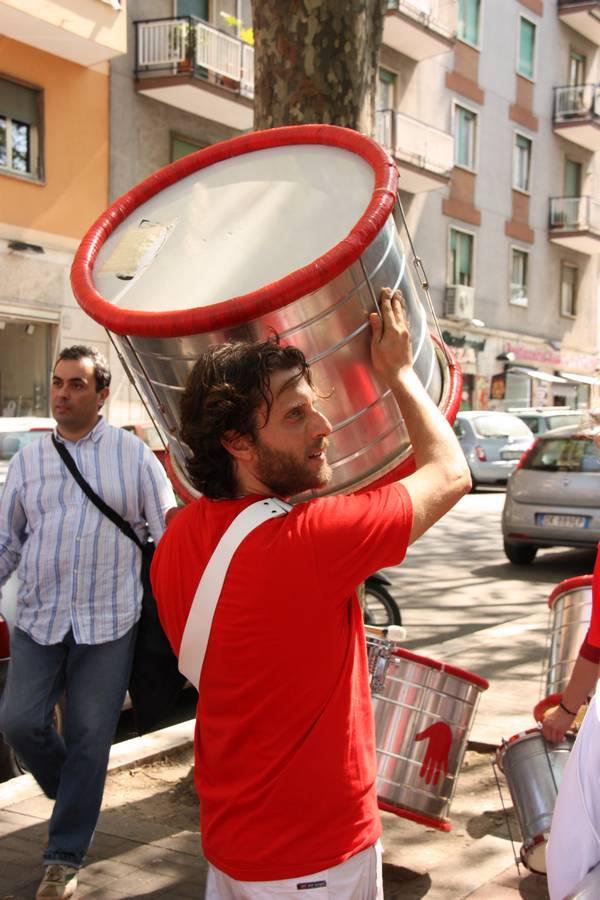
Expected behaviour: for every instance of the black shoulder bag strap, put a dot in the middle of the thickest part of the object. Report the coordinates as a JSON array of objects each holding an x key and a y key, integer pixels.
[{"x": 118, "y": 520}]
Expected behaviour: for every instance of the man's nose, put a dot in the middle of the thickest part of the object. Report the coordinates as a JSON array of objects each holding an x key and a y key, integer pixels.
[{"x": 323, "y": 426}]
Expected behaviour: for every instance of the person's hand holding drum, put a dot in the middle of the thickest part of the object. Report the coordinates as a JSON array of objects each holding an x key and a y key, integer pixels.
[
  {"x": 391, "y": 349},
  {"x": 556, "y": 724}
]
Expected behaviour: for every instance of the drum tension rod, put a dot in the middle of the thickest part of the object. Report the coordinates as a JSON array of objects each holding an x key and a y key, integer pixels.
[
  {"x": 505, "y": 811},
  {"x": 423, "y": 280}
]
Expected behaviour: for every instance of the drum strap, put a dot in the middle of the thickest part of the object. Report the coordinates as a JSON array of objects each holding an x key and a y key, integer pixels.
[{"x": 197, "y": 628}]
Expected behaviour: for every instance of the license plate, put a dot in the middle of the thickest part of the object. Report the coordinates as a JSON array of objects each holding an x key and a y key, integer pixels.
[
  {"x": 512, "y": 454},
  {"x": 555, "y": 520}
]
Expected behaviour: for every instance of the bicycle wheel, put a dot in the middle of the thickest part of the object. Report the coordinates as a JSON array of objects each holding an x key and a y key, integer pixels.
[{"x": 380, "y": 607}]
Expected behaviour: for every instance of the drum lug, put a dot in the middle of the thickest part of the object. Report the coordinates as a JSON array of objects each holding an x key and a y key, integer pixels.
[{"x": 379, "y": 659}]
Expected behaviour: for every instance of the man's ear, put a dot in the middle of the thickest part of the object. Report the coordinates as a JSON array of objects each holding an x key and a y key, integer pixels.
[
  {"x": 240, "y": 446},
  {"x": 102, "y": 395}
]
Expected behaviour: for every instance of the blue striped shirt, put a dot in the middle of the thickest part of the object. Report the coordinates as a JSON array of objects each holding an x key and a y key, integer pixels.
[{"x": 77, "y": 570}]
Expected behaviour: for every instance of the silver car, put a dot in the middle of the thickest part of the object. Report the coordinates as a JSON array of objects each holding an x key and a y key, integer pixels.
[
  {"x": 552, "y": 498},
  {"x": 493, "y": 443},
  {"x": 542, "y": 420}
]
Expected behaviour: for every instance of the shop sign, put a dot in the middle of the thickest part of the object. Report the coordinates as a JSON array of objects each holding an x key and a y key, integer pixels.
[{"x": 574, "y": 362}]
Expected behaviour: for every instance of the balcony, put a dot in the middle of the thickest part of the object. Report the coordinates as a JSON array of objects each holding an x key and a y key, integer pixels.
[
  {"x": 425, "y": 155},
  {"x": 577, "y": 114},
  {"x": 87, "y": 32},
  {"x": 575, "y": 223},
  {"x": 420, "y": 28},
  {"x": 188, "y": 63},
  {"x": 583, "y": 16}
]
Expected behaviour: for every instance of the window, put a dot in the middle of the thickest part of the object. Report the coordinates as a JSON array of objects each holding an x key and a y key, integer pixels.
[
  {"x": 519, "y": 265},
  {"x": 572, "y": 184},
  {"x": 461, "y": 257},
  {"x": 568, "y": 290},
  {"x": 577, "y": 64},
  {"x": 182, "y": 146},
  {"x": 526, "y": 59},
  {"x": 386, "y": 84},
  {"x": 19, "y": 129},
  {"x": 465, "y": 135},
  {"x": 522, "y": 162},
  {"x": 468, "y": 21}
]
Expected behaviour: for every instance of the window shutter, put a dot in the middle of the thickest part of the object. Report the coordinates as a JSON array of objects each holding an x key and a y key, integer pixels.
[{"x": 18, "y": 102}]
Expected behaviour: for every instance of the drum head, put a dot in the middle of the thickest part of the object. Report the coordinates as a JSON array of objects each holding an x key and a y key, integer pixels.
[{"x": 235, "y": 231}]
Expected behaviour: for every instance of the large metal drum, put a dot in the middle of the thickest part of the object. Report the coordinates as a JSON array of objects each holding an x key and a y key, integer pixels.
[
  {"x": 423, "y": 714},
  {"x": 533, "y": 769},
  {"x": 571, "y": 609},
  {"x": 290, "y": 230}
]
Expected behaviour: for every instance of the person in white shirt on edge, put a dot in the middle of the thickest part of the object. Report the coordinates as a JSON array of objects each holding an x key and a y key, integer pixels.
[{"x": 79, "y": 601}]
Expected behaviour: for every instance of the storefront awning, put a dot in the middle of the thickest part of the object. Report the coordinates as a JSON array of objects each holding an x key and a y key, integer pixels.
[
  {"x": 580, "y": 379},
  {"x": 535, "y": 373}
]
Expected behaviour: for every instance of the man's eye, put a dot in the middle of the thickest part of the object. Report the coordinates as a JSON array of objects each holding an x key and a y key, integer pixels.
[{"x": 295, "y": 413}]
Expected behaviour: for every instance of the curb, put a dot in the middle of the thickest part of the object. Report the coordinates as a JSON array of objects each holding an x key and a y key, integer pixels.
[{"x": 124, "y": 755}]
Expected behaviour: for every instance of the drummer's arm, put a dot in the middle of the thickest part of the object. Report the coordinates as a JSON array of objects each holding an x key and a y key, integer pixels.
[
  {"x": 581, "y": 685},
  {"x": 442, "y": 475}
]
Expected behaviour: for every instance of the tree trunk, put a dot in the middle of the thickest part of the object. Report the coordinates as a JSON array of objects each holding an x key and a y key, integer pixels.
[{"x": 316, "y": 62}]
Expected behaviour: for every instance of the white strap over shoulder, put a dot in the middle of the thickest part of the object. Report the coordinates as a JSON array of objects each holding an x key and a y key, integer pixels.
[{"x": 199, "y": 621}]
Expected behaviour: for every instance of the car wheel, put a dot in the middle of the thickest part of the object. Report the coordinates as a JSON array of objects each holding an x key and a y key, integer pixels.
[
  {"x": 11, "y": 765},
  {"x": 520, "y": 554},
  {"x": 474, "y": 484}
]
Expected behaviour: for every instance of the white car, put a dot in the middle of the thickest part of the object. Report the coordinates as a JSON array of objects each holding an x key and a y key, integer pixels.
[{"x": 16, "y": 433}]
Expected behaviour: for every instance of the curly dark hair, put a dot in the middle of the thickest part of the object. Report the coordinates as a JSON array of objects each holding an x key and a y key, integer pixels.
[
  {"x": 224, "y": 391},
  {"x": 80, "y": 351}
]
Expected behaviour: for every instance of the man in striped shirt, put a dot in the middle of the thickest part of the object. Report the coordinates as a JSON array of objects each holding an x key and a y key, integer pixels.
[{"x": 79, "y": 600}]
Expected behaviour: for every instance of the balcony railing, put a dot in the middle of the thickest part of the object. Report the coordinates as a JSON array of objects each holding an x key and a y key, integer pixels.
[
  {"x": 187, "y": 44},
  {"x": 575, "y": 214},
  {"x": 576, "y": 101},
  {"x": 413, "y": 141},
  {"x": 439, "y": 15}
]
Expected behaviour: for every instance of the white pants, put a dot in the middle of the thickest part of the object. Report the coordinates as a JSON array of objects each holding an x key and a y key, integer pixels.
[
  {"x": 359, "y": 878},
  {"x": 574, "y": 845}
]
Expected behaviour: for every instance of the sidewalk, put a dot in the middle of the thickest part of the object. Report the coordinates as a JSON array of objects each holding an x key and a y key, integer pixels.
[{"x": 139, "y": 852}]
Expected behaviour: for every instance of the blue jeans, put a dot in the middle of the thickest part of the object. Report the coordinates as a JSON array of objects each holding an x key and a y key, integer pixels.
[{"x": 72, "y": 770}]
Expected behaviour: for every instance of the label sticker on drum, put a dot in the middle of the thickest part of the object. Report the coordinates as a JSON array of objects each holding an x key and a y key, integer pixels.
[{"x": 136, "y": 249}]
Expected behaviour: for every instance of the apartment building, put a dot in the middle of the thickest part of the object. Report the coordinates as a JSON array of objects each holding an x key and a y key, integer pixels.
[
  {"x": 492, "y": 111},
  {"x": 54, "y": 170}
]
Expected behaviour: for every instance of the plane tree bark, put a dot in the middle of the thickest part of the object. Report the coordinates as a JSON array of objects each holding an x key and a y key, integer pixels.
[{"x": 316, "y": 62}]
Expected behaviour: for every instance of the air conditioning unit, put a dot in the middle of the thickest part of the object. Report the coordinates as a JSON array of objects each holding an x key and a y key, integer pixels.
[{"x": 460, "y": 302}]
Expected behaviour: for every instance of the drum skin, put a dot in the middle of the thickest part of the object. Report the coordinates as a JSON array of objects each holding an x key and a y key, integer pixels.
[
  {"x": 321, "y": 306},
  {"x": 423, "y": 715},
  {"x": 533, "y": 768},
  {"x": 570, "y": 606}
]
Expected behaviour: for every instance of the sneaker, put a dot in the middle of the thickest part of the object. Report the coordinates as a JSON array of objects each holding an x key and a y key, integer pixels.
[{"x": 58, "y": 881}]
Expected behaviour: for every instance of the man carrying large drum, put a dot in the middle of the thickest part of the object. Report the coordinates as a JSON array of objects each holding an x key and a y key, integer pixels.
[{"x": 285, "y": 753}]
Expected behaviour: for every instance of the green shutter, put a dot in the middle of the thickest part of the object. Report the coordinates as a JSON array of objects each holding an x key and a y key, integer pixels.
[
  {"x": 18, "y": 102},
  {"x": 526, "y": 48}
]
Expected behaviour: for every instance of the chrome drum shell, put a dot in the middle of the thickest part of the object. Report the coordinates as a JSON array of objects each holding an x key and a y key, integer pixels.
[
  {"x": 570, "y": 613},
  {"x": 418, "y": 697}
]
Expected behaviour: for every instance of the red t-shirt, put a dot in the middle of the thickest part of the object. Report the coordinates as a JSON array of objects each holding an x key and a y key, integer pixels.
[
  {"x": 590, "y": 647},
  {"x": 285, "y": 752}
]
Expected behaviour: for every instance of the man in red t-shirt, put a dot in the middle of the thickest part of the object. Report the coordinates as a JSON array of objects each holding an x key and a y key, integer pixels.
[{"x": 285, "y": 755}]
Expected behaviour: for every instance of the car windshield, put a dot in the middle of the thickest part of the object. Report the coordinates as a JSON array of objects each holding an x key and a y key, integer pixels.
[
  {"x": 12, "y": 441},
  {"x": 500, "y": 426},
  {"x": 573, "y": 454}
]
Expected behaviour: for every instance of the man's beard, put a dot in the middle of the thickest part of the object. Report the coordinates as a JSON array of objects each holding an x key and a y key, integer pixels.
[{"x": 285, "y": 475}]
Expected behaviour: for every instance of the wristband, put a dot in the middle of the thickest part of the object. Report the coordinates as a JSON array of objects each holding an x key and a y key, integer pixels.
[{"x": 562, "y": 706}]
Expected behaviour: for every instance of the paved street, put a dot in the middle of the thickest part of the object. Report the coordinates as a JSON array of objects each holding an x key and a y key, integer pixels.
[{"x": 456, "y": 579}]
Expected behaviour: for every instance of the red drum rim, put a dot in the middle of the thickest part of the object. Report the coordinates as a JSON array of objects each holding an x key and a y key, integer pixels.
[
  {"x": 569, "y": 584},
  {"x": 440, "y": 824},
  {"x": 234, "y": 311},
  {"x": 464, "y": 674}
]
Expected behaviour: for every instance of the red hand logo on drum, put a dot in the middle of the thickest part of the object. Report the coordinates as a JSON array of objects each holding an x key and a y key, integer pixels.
[{"x": 436, "y": 756}]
